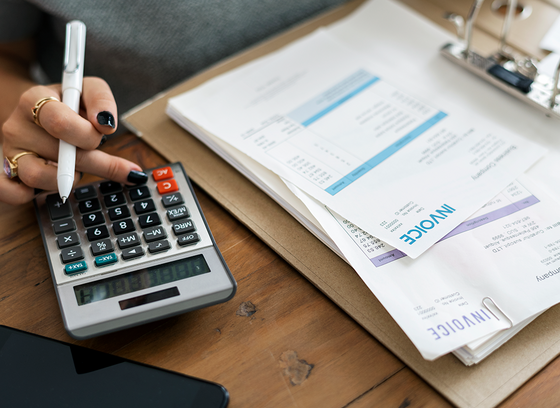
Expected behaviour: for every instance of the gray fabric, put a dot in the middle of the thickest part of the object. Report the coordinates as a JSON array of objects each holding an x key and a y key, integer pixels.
[
  {"x": 18, "y": 20},
  {"x": 141, "y": 47}
]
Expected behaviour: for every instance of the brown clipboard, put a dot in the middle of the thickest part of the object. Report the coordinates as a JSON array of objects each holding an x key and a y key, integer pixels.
[{"x": 482, "y": 385}]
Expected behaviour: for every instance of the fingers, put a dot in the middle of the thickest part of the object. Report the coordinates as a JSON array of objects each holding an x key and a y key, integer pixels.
[
  {"x": 20, "y": 136},
  {"x": 110, "y": 167},
  {"x": 100, "y": 105},
  {"x": 38, "y": 173},
  {"x": 59, "y": 120},
  {"x": 35, "y": 172},
  {"x": 85, "y": 130},
  {"x": 14, "y": 193}
]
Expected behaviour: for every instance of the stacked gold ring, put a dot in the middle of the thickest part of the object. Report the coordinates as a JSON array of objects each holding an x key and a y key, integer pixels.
[{"x": 37, "y": 108}]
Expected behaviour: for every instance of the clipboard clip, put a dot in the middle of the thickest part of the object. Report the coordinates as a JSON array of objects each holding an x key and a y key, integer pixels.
[
  {"x": 516, "y": 74},
  {"x": 488, "y": 299}
]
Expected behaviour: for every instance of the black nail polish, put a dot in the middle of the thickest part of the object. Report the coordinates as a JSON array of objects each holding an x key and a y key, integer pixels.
[
  {"x": 103, "y": 140},
  {"x": 137, "y": 177},
  {"x": 37, "y": 191},
  {"x": 106, "y": 119}
]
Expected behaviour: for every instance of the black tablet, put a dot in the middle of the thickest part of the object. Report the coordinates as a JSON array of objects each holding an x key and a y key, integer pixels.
[{"x": 36, "y": 372}]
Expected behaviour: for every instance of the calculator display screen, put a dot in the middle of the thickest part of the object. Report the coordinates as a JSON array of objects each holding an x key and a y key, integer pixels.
[{"x": 141, "y": 279}]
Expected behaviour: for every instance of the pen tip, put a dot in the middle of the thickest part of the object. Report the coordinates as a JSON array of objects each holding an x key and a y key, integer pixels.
[{"x": 63, "y": 200}]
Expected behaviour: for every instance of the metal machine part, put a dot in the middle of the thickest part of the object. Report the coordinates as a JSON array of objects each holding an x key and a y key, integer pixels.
[{"x": 516, "y": 74}]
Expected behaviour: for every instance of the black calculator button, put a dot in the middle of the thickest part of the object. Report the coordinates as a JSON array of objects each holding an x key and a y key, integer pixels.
[
  {"x": 81, "y": 193},
  {"x": 183, "y": 227},
  {"x": 148, "y": 220},
  {"x": 131, "y": 253},
  {"x": 92, "y": 219},
  {"x": 128, "y": 240},
  {"x": 158, "y": 246},
  {"x": 108, "y": 187},
  {"x": 68, "y": 240},
  {"x": 71, "y": 254},
  {"x": 178, "y": 213},
  {"x": 96, "y": 233},
  {"x": 57, "y": 209},
  {"x": 188, "y": 239},
  {"x": 123, "y": 226},
  {"x": 112, "y": 200},
  {"x": 154, "y": 233},
  {"x": 142, "y": 207},
  {"x": 139, "y": 193},
  {"x": 90, "y": 205},
  {"x": 62, "y": 226},
  {"x": 170, "y": 200},
  {"x": 118, "y": 213},
  {"x": 103, "y": 246}
]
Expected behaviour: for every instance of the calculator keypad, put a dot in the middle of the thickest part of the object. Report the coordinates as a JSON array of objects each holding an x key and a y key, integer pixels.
[
  {"x": 142, "y": 207},
  {"x": 58, "y": 209},
  {"x": 101, "y": 247},
  {"x": 67, "y": 240},
  {"x": 90, "y": 205},
  {"x": 118, "y": 213},
  {"x": 67, "y": 225},
  {"x": 104, "y": 225}
]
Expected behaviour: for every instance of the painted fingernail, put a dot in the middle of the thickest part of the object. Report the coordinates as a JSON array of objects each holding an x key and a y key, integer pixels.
[
  {"x": 106, "y": 119},
  {"x": 137, "y": 177},
  {"x": 103, "y": 140}
]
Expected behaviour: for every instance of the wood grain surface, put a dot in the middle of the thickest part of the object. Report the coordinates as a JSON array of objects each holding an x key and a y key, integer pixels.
[{"x": 278, "y": 343}]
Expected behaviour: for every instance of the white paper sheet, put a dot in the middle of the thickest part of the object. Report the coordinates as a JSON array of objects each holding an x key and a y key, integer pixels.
[
  {"x": 358, "y": 143},
  {"x": 406, "y": 46},
  {"x": 508, "y": 251},
  {"x": 551, "y": 41},
  {"x": 549, "y": 63}
]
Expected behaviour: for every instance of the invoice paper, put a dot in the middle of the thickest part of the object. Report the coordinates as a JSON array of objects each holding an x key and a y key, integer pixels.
[
  {"x": 317, "y": 114},
  {"x": 382, "y": 254},
  {"x": 508, "y": 252}
]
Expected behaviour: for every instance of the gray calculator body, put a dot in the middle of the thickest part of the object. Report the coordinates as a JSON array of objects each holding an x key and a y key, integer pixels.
[{"x": 123, "y": 256}]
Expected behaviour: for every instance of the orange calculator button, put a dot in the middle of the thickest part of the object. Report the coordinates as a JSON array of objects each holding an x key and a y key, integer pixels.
[
  {"x": 162, "y": 174},
  {"x": 167, "y": 186}
]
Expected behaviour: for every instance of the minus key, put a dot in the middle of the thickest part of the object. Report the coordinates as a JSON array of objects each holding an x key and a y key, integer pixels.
[{"x": 62, "y": 226}]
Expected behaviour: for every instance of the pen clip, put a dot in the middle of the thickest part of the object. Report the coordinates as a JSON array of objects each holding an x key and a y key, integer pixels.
[{"x": 74, "y": 46}]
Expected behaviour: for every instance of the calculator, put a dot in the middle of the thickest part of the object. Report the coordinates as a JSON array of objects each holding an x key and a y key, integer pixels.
[{"x": 123, "y": 256}]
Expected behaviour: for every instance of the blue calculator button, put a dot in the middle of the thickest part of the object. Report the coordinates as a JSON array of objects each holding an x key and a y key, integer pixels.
[
  {"x": 106, "y": 260},
  {"x": 76, "y": 267}
]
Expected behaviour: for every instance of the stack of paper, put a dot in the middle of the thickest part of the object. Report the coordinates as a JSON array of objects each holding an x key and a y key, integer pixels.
[{"x": 420, "y": 190}]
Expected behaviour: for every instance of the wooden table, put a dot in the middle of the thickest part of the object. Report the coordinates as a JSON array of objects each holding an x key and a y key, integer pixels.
[{"x": 278, "y": 343}]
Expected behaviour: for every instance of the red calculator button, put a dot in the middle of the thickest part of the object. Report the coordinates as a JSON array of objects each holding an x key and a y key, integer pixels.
[
  {"x": 167, "y": 186},
  {"x": 162, "y": 174}
]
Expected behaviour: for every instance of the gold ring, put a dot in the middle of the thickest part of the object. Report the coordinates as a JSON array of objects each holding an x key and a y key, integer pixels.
[
  {"x": 11, "y": 165},
  {"x": 35, "y": 110}
]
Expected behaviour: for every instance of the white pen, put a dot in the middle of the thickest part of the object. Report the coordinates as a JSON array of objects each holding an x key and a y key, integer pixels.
[{"x": 72, "y": 79}]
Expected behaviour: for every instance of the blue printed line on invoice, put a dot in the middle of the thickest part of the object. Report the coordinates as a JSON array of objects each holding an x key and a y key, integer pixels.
[
  {"x": 332, "y": 98},
  {"x": 339, "y": 102},
  {"x": 360, "y": 171}
]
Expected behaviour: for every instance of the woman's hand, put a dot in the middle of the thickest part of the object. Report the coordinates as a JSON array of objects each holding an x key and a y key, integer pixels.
[{"x": 97, "y": 118}]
